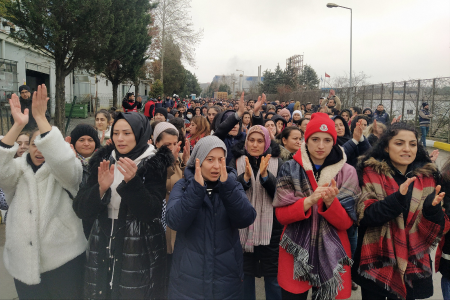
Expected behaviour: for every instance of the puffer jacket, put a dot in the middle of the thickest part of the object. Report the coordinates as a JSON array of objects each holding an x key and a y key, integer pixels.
[
  {"x": 264, "y": 259},
  {"x": 132, "y": 264},
  {"x": 207, "y": 260}
]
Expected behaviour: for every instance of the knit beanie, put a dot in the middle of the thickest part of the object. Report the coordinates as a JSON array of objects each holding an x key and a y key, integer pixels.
[
  {"x": 162, "y": 111},
  {"x": 424, "y": 104},
  {"x": 24, "y": 87},
  {"x": 261, "y": 130},
  {"x": 82, "y": 130},
  {"x": 297, "y": 112},
  {"x": 284, "y": 111},
  {"x": 321, "y": 122},
  {"x": 160, "y": 127},
  {"x": 203, "y": 147}
]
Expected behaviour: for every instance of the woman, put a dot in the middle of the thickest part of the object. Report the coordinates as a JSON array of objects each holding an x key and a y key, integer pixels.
[
  {"x": 296, "y": 116},
  {"x": 400, "y": 197},
  {"x": 176, "y": 113},
  {"x": 246, "y": 121},
  {"x": 271, "y": 127},
  {"x": 280, "y": 123},
  {"x": 23, "y": 140},
  {"x": 346, "y": 114},
  {"x": 359, "y": 119},
  {"x": 257, "y": 163},
  {"x": 290, "y": 140},
  {"x": 44, "y": 248},
  {"x": 443, "y": 253},
  {"x": 212, "y": 112},
  {"x": 124, "y": 194},
  {"x": 374, "y": 131},
  {"x": 354, "y": 144},
  {"x": 207, "y": 208},
  {"x": 314, "y": 200},
  {"x": 205, "y": 111},
  {"x": 102, "y": 121},
  {"x": 84, "y": 140},
  {"x": 198, "y": 112},
  {"x": 199, "y": 129},
  {"x": 302, "y": 123},
  {"x": 369, "y": 114}
]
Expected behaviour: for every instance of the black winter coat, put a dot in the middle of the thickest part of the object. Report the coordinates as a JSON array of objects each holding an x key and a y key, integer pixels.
[
  {"x": 264, "y": 260},
  {"x": 136, "y": 264}
]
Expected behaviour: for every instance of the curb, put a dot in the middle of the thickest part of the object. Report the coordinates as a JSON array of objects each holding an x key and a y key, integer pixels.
[{"x": 439, "y": 145}]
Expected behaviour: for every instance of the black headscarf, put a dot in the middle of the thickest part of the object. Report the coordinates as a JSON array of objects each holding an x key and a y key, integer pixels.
[
  {"x": 341, "y": 140},
  {"x": 142, "y": 133}
]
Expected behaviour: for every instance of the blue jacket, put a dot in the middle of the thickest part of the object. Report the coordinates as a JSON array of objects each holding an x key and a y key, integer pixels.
[
  {"x": 382, "y": 117},
  {"x": 207, "y": 258}
]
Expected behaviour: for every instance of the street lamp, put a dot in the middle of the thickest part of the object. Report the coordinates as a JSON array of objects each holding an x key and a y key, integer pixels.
[
  {"x": 333, "y": 5},
  {"x": 241, "y": 80}
]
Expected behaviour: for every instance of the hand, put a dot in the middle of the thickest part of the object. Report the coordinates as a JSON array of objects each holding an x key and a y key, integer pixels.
[
  {"x": 375, "y": 127},
  {"x": 290, "y": 124},
  {"x": 399, "y": 118},
  {"x": 198, "y": 173},
  {"x": 403, "y": 189},
  {"x": 39, "y": 103},
  {"x": 176, "y": 150},
  {"x": 272, "y": 137},
  {"x": 259, "y": 104},
  {"x": 223, "y": 169},
  {"x": 139, "y": 99},
  {"x": 358, "y": 131},
  {"x": 109, "y": 142},
  {"x": 434, "y": 155},
  {"x": 439, "y": 196},
  {"x": 186, "y": 152},
  {"x": 332, "y": 93},
  {"x": 68, "y": 139},
  {"x": 241, "y": 109},
  {"x": 105, "y": 176},
  {"x": 103, "y": 137},
  {"x": 150, "y": 142},
  {"x": 128, "y": 168},
  {"x": 329, "y": 194},
  {"x": 20, "y": 118},
  {"x": 248, "y": 170},
  {"x": 264, "y": 164}
]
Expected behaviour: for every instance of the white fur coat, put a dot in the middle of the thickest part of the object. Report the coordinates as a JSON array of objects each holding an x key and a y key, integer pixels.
[{"x": 42, "y": 230}]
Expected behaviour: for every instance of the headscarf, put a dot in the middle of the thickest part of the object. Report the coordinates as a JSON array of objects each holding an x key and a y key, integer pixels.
[
  {"x": 297, "y": 112},
  {"x": 261, "y": 130},
  {"x": 203, "y": 147},
  {"x": 142, "y": 133}
]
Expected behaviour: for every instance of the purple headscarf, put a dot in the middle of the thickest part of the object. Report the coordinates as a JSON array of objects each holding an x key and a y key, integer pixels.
[{"x": 261, "y": 130}]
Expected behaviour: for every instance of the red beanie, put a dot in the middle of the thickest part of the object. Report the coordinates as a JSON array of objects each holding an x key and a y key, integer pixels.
[{"x": 320, "y": 122}]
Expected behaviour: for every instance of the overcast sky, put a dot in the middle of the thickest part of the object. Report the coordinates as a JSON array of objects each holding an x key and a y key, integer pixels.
[{"x": 393, "y": 40}]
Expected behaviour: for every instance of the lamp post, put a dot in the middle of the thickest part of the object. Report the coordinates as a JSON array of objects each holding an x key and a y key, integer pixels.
[
  {"x": 241, "y": 80},
  {"x": 333, "y": 5}
]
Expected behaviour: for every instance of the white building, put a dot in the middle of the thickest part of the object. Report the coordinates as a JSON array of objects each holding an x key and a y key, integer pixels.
[{"x": 20, "y": 64}]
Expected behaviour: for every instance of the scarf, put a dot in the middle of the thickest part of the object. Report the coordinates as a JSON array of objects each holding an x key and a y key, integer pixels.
[
  {"x": 392, "y": 262},
  {"x": 260, "y": 232},
  {"x": 319, "y": 256},
  {"x": 341, "y": 140},
  {"x": 142, "y": 133},
  {"x": 85, "y": 160},
  {"x": 114, "y": 204}
]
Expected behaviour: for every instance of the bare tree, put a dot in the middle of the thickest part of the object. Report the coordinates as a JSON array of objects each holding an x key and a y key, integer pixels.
[{"x": 174, "y": 22}]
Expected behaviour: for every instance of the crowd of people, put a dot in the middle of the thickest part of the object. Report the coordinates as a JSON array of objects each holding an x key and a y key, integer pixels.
[{"x": 176, "y": 199}]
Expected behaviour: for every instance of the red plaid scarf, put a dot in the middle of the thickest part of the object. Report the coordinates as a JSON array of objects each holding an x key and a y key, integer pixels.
[{"x": 394, "y": 254}]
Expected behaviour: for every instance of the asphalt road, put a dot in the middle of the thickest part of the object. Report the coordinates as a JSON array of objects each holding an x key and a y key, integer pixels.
[{"x": 8, "y": 291}]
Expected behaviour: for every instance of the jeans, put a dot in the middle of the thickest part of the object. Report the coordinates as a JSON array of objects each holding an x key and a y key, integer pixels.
[
  {"x": 273, "y": 290},
  {"x": 445, "y": 286},
  {"x": 423, "y": 138}
]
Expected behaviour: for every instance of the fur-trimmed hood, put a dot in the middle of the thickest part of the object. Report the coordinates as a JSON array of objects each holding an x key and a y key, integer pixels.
[{"x": 419, "y": 168}]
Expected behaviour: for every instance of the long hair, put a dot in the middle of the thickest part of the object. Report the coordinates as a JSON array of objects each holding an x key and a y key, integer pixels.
[
  {"x": 287, "y": 132},
  {"x": 379, "y": 153},
  {"x": 202, "y": 127}
]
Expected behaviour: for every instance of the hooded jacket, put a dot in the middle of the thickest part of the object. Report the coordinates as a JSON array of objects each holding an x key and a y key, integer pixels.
[
  {"x": 264, "y": 260},
  {"x": 369, "y": 116},
  {"x": 207, "y": 259},
  {"x": 42, "y": 231},
  {"x": 137, "y": 252},
  {"x": 382, "y": 117}
]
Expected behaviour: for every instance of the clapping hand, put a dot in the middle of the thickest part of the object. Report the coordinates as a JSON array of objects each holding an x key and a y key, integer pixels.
[
  {"x": 330, "y": 193},
  {"x": 241, "y": 109},
  {"x": 434, "y": 155},
  {"x": 198, "y": 173},
  {"x": 105, "y": 176},
  {"x": 68, "y": 139},
  {"x": 259, "y": 104},
  {"x": 264, "y": 164},
  {"x": 358, "y": 131},
  {"x": 128, "y": 168},
  {"x": 223, "y": 169},
  {"x": 248, "y": 170},
  {"x": 20, "y": 118},
  {"x": 403, "y": 189},
  {"x": 39, "y": 103},
  {"x": 439, "y": 196},
  {"x": 186, "y": 152}
]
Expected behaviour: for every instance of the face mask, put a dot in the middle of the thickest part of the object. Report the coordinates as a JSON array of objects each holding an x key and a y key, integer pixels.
[{"x": 189, "y": 116}]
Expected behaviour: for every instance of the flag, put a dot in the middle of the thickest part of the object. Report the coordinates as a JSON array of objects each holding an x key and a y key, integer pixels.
[{"x": 326, "y": 75}]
